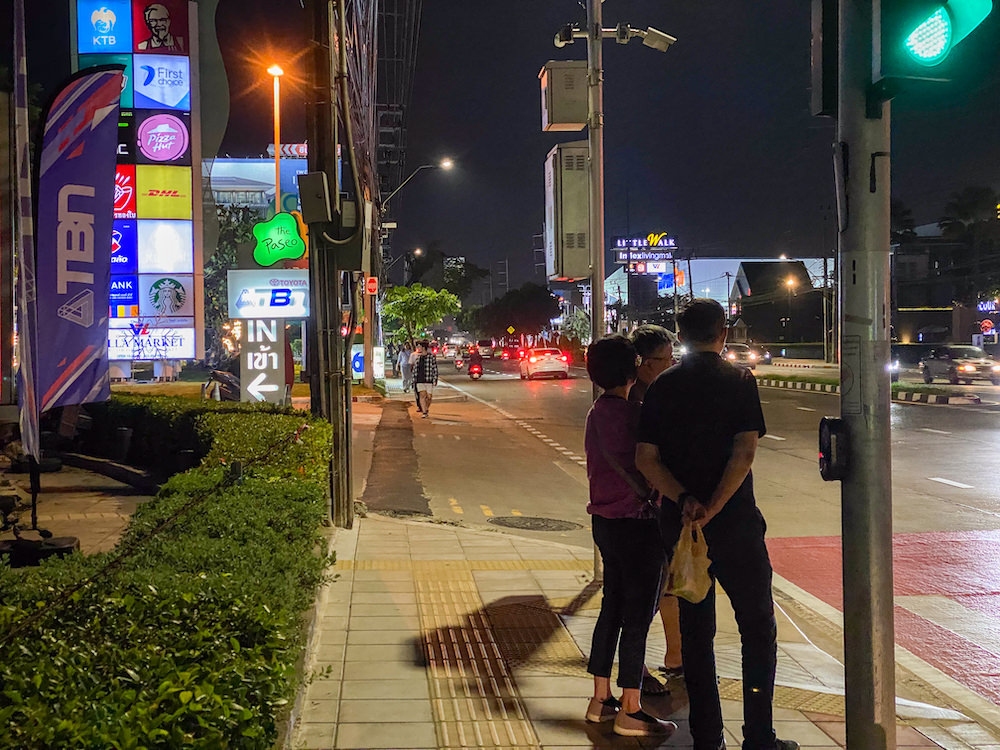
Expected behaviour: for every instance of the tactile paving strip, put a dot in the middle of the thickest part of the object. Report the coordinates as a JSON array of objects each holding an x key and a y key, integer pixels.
[
  {"x": 430, "y": 566},
  {"x": 476, "y": 704}
]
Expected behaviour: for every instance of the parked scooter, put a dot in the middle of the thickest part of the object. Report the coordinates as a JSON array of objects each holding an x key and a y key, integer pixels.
[
  {"x": 475, "y": 371},
  {"x": 222, "y": 386}
]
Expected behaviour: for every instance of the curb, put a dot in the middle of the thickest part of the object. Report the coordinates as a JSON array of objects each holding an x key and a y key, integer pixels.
[
  {"x": 141, "y": 480},
  {"x": 772, "y": 363},
  {"x": 904, "y": 396},
  {"x": 367, "y": 399}
]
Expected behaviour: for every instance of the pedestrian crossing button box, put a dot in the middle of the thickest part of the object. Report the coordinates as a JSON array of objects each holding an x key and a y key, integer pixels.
[{"x": 834, "y": 449}]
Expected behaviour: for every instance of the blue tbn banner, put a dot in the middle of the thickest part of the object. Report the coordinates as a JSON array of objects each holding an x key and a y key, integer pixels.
[{"x": 76, "y": 194}]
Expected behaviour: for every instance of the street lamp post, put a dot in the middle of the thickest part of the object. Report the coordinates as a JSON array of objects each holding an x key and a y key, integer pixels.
[
  {"x": 790, "y": 285},
  {"x": 443, "y": 164},
  {"x": 277, "y": 72}
]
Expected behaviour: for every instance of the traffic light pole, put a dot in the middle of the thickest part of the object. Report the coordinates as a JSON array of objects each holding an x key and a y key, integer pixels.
[
  {"x": 595, "y": 136},
  {"x": 866, "y": 491}
]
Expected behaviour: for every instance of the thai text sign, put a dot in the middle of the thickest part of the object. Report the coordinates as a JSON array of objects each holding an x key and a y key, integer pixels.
[{"x": 262, "y": 361}]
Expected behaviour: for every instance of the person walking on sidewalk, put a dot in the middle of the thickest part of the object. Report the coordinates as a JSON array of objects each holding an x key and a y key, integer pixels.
[
  {"x": 403, "y": 363},
  {"x": 425, "y": 377},
  {"x": 655, "y": 347},
  {"x": 627, "y": 534},
  {"x": 698, "y": 435}
]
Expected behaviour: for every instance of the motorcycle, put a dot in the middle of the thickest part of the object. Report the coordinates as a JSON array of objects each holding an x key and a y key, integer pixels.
[
  {"x": 475, "y": 371},
  {"x": 459, "y": 363}
]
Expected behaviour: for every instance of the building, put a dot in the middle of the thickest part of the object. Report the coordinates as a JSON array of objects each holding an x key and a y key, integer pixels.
[{"x": 775, "y": 302}]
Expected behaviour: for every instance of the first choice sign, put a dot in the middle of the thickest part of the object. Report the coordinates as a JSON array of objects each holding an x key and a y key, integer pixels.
[{"x": 262, "y": 361}]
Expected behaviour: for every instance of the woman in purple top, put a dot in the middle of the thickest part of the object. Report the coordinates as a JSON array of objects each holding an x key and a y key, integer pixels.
[{"x": 627, "y": 534}]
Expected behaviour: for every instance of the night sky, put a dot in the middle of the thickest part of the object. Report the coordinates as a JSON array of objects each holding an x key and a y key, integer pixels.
[{"x": 711, "y": 141}]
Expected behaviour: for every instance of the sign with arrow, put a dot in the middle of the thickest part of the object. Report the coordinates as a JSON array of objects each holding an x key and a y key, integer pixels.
[{"x": 262, "y": 361}]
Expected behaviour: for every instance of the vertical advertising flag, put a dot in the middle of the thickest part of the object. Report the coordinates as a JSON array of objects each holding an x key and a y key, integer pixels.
[{"x": 76, "y": 206}]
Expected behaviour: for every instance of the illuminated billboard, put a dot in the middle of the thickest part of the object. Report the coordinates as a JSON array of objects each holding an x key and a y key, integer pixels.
[
  {"x": 269, "y": 294},
  {"x": 163, "y": 295},
  {"x": 87, "y": 61},
  {"x": 124, "y": 297},
  {"x": 141, "y": 341},
  {"x": 160, "y": 27},
  {"x": 124, "y": 247},
  {"x": 163, "y": 192},
  {"x": 163, "y": 138},
  {"x": 165, "y": 246},
  {"x": 125, "y": 192},
  {"x": 103, "y": 26},
  {"x": 162, "y": 82}
]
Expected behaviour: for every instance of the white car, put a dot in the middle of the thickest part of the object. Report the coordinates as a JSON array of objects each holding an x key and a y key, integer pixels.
[{"x": 539, "y": 362}]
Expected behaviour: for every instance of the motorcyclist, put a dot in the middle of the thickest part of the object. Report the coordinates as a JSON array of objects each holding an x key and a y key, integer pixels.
[{"x": 475, "y": 358}]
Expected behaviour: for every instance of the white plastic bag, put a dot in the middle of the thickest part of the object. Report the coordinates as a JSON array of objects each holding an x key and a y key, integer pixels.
[{"x": 688, "y": 576}]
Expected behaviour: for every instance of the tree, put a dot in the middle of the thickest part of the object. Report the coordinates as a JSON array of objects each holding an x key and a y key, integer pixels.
[
  {"x": 968, "y": 208},
  {"x": 901, "y": 222},
  {"x": 460, "y": 277},
  {"x": 235, "y": 228},
  {"x": 528, "y": 310},
  {"x": 417, "y": 307}
]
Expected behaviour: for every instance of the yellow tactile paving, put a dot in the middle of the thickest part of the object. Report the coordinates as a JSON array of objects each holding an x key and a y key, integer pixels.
[{"x": 441, "y": 566}]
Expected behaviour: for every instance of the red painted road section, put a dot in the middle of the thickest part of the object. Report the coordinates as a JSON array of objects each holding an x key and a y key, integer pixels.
[{"x": 962, "y": 566}]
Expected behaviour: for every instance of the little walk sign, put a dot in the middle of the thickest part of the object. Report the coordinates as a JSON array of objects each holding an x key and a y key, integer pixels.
[{"x": 262, "y": 361}]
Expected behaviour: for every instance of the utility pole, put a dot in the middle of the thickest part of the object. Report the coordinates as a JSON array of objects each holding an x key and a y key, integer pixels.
[
  {"x": 673, "y": 262},
  {"x": 595, "y": 137},
  {"x": 866, "y": 490}
]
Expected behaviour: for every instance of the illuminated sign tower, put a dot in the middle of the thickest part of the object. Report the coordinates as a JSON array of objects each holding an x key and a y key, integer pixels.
[{"x": 156, "y": 302}]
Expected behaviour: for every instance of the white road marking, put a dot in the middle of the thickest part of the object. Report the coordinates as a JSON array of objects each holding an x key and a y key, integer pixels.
[
  {"x": 574, "y": 474},
  {"x": 773, "y": 437},
  {"x": 936, "y": 432},
  {"x": 764, "y": 402},
  {"x": 951, "y": 483},
  {"x": 804, "y": 408}
]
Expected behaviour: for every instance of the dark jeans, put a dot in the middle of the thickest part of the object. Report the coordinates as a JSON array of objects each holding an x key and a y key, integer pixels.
[
  {"x": 633, "y": 556},
  {"x": 741, "y": 564}
]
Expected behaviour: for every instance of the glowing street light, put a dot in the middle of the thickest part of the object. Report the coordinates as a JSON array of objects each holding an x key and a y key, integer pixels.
[
  {"x": 445, "y": 164},
  {"x": 277, "y": 72}
]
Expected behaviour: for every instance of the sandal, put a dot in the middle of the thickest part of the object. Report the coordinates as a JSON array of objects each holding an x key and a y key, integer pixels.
[{"x": 652, "y": 686}]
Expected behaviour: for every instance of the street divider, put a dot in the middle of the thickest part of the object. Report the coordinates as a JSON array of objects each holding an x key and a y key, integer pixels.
[
  {"x": 189, "y": 632},
  {"x": 898, "y": 394}
]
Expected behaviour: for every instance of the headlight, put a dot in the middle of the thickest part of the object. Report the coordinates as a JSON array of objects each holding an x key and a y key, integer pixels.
[
  {"x": 753, "y": 355},
  {"x": 731, "y": 356},
  {"x": 996, "y": 368},
  {"x": 894, "y": 366},
  {"x": 967, "y": 368}
]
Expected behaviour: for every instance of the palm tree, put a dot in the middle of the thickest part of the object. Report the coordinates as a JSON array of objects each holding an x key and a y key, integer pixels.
[
  {"x": 968, "y": 207},
  {"x": 901, "y": 221}
]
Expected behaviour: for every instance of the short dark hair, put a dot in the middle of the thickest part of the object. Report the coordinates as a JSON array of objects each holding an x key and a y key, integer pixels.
[
  {"x": 611, "y": 362},
  {"x": 648, "y": 339},
  {"x": 702, "y": 321}
]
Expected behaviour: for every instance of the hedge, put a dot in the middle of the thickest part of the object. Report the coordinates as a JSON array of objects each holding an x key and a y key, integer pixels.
[{"x": 193, "y": 639}]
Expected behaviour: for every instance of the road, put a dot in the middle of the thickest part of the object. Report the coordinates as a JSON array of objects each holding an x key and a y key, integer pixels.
[{"x": 511, "y": 451}]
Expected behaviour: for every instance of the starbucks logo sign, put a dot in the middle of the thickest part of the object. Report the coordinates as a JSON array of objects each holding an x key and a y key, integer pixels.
[{"x": 167, "y": 296}]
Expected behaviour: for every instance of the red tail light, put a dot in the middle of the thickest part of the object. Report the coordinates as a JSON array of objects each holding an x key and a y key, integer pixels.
[
  {"x": 564, "y": 358},
  {"x": 505, "y": 355},
  {"x": 532, "y": 359},
  {"x": 521, "y": 354}
]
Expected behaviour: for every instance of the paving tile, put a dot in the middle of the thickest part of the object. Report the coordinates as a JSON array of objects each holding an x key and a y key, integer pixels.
[
  {"x": 410, "y": 652},
  {"x": 383, "y": 670},
  {"x": 836, "y": 730},
  {"x": 579, "y": 733},
  {"x": 333, "y": 622},
  {"x": 383, "y": 610},
  {"x": 803, "y": 732},
  {"x": 328, "y": 637},
  {"x": 383, "y": 575},
  {"x": 315, "y": 736},
  {"x": 555, "y": 686},
  {"x": 380, "y": 710},
  {"x": 912, "y": 737},
  {"x": 555, "y": 709},
  {"x": 329, "y": 652},
  {"x": 384, "y": 587},
  {"x": 396, "y": 597},
  {"x": 972, "y": 734},
  {"x": 364, "y": 622},
  {"x": 320, "y": 690},
  {"x": 320, "y": 711},
  {"x": 387, "y": 735},
  {"x": 385, "y": 689},
  {"x": 382, "y": 637}
]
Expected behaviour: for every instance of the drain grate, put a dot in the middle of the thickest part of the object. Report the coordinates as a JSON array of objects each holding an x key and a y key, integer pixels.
[{"x": 533, "y": 523}]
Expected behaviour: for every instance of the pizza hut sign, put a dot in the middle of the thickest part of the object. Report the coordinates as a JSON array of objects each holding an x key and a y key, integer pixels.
[{"x": 162, "y": 138}]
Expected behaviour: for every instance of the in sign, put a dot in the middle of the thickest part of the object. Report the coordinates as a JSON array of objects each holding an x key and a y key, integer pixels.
[
  {"x": 371, "y": 285},
  {"x": 262, "y": 361}
]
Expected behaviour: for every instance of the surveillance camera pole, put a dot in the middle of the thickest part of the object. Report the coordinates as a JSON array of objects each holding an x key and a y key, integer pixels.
[{"x": 595, "y": 137}]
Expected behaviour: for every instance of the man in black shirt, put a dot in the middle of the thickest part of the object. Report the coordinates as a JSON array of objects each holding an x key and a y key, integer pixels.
[{"x": 698, "y": 434}]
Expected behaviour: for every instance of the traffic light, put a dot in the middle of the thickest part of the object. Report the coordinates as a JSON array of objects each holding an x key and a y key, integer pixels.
[{"x": 918, "y": 35}]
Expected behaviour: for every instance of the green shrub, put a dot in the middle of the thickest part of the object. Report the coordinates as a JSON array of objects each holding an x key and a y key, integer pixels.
[{"x": 192, "y": 641}]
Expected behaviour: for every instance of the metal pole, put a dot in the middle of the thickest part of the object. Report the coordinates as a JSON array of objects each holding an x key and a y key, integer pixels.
[
  {"x": 826, "y": 315},
  {"x": 277, "y": 144},
  {"x": 595, "y": 134},
  {"x": 866, "y": 492},
  {"x": 673, "y": 262}
]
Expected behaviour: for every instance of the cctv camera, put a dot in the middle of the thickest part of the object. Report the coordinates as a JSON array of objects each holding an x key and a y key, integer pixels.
[
  {"x": 564, "y": 36},
  {"x": 657, "y": 39}
]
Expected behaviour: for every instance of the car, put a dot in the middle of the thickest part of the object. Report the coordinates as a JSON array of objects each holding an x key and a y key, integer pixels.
[
  {"x": 959, "y": 362},
  {"x": 541, "y": 362},
  {"x": 449, "y": 351},
  {"x": 485, "y": 348},
  {"x": 740, "y": 354}
]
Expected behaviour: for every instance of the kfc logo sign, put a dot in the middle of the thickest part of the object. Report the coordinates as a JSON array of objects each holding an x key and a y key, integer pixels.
[
  {"x": 125, "y": 192},
  {"x": 163, "y": 138}
]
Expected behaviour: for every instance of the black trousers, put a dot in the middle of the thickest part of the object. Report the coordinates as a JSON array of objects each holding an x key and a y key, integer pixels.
[
  {"x": 633, "y": 556},
  {"x": 741, "y": 564}
]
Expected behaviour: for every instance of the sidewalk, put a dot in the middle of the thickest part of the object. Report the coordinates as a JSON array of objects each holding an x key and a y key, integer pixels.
[{"x": 432, "y": 635}]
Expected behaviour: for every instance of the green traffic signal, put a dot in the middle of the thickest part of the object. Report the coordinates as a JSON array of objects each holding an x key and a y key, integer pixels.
[{"x": 929, "y": 43}]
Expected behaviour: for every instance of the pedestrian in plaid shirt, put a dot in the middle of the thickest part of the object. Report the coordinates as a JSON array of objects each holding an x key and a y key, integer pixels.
[{"x": 425, "y": 377}]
